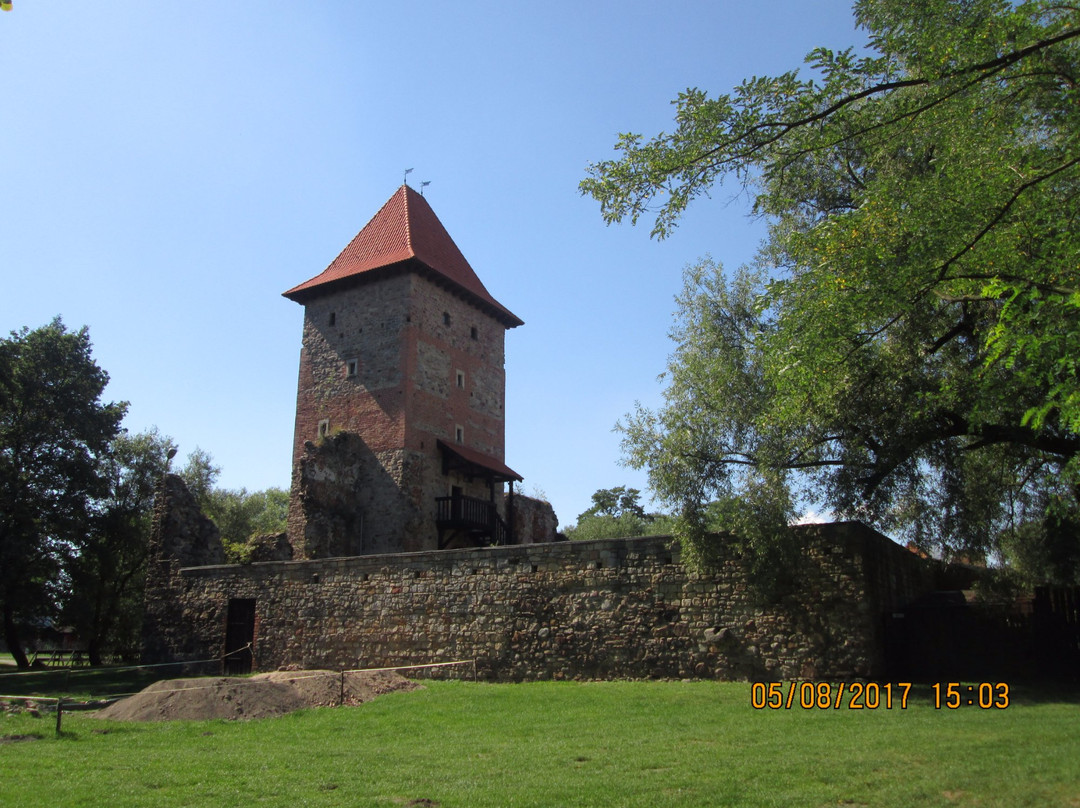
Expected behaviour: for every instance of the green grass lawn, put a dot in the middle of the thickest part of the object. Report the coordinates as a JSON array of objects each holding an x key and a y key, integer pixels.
[{"x": 648, "y": 744}]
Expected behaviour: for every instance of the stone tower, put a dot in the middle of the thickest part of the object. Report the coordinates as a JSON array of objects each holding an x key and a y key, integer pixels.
[{"x": 399, "y": 440}]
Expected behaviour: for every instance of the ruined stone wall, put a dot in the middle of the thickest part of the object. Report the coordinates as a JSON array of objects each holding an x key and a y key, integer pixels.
[
  {"x": 348, "y": 500},
  {"x": 611, "y": 608},
  {"x": 181, "y": 536},
  {"x": 534, "y": 519}
]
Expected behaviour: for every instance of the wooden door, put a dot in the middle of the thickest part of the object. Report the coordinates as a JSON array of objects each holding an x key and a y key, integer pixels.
[{"x": 239, "y": 636}]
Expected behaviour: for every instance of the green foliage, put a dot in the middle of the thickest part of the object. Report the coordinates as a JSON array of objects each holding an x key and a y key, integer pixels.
[
  {"x": 615, "y": 502},
  {"x": 705, "y": 453},
  {"x": 1048, "y": 550},
  {"x": 905, "y": 348},
  {"x": 54, "y": 431},
  {"x": 241, "y": 517},
  {"x": 200, "y": 476},
  {"x": 589, "y": 528},
  {"x": 617, "y": 513},
  {"x": 76, "y": 495},
  {"x": 105, "y": 600},
  {"x": 753, "y": 525}
]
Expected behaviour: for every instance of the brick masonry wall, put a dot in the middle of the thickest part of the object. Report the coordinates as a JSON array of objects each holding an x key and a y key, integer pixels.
[
  {"x": 368, "y": 324},
  {"x": 426, "y": 363},
  {"x": 437, "y": 352},
  {"x": 612, "y": 608}
]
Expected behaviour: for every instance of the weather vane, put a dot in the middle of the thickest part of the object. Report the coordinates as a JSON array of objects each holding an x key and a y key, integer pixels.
[
  {"x": 405, "y": 179},
  {"x": 423, "y": 185}
]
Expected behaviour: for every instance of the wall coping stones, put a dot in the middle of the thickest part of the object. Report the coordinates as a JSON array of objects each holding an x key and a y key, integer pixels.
[
  {"x": 506, "y": 555},
  {"x": 851, "y": 538}
]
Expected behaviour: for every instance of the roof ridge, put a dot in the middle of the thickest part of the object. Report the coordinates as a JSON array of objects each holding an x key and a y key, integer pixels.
[{"x": 404, "y": 190}]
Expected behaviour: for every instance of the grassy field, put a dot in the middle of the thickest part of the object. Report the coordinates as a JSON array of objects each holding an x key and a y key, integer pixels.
[{"x": 649, "y": 744}]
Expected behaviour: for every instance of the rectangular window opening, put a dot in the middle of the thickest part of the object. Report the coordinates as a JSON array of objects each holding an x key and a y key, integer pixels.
[
  {"x": 461, "y": 379},
  {"x": 324, "y": 427},
  {"x": 459, "y": 434},
  {"x": 352, "y": 367}
]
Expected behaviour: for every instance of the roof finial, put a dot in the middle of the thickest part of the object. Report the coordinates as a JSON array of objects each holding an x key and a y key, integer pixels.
[
  {"x": 405, "y": 179},
  {"x": 424, "y": 184}
]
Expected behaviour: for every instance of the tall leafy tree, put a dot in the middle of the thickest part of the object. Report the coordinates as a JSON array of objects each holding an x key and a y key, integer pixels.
[
  {"x": 53, "y": 430},
  {"x": 242, "y": 517},
  {"x": 908, "y": 342},
  {"x": 615, "y": 502},
  {"x": 615, "y": 513},
  {"x": 200, "y": 476},
  {"x": 105, "y": 600}
]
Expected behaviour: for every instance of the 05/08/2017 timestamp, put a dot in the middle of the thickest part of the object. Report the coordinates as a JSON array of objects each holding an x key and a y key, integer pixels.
[
  {"x": 873, "y": 696},
  {"x": 829, "y": 695}
]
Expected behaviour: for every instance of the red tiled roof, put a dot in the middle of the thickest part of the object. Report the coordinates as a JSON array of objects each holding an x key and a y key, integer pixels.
[
  {"x": 404, "y": 229},
  {"x": 472, "y": 457}
]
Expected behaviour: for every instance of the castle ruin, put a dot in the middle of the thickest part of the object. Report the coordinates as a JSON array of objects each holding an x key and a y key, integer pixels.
[{"x": 409, "y": 544}]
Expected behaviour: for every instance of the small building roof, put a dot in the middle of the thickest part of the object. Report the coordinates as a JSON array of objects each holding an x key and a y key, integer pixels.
[
  {"x": 476, "y": 464},
  {"x": 405, "y": 234}
]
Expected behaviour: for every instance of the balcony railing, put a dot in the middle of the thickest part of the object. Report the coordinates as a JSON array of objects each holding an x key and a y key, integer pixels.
[{"x": 477, "y": 517}]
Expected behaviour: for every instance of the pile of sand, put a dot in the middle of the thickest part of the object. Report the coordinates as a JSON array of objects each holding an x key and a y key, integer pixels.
[{"x": 260, "y": 696}]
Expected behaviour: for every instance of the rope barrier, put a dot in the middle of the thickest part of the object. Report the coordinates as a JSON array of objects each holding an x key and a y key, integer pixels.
[
  {"x": 111, "y": 669},
  {"x": 410, "y": 667}
]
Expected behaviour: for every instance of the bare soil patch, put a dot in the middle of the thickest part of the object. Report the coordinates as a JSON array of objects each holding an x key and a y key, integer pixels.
[
  {"x": 260, "y": 696},
  {"x": 16, "y": 738}
]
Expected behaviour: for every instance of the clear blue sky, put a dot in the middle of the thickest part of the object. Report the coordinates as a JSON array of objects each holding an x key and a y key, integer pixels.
[{"x": 168, "y": 169}]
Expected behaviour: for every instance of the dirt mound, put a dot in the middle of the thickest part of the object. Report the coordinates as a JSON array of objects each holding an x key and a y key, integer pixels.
[
  {"x": 260, "y": 696},
  {"x": 329, "y": 689}
]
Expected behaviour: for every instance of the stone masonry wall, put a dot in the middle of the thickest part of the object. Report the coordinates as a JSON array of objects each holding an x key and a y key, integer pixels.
[
  {"x": 181, "y": 536},
  {"x": 402, "y": 362},
  {"x": 612, "y": 608},
  {"x": 347, "y": 500},
  {"x": 534, "y": 519},
  {"x": 451, "y": 336}
]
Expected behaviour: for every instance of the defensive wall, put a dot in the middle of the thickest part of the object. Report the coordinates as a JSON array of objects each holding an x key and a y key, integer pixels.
[{"x": 597, "y": 609}]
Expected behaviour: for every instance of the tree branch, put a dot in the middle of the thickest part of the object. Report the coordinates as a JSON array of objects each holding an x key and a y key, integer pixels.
[{"x": 982, "y": 71}]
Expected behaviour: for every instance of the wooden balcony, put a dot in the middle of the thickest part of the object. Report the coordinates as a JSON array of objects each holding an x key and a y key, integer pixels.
[{"x": 476, "y": 518}]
